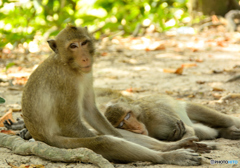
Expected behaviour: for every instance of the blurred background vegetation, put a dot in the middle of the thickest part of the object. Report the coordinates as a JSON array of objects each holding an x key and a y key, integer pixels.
[{"x": 22, "y": 20}]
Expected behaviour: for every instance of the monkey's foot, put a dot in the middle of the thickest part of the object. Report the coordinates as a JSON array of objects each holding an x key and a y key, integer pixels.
[
  {"x": 230, "y": 133},
  {"x": 24, "y": 134},
  {"x": 183, "y": 157}
]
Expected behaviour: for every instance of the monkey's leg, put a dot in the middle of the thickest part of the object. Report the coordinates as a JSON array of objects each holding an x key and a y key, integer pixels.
[
  {"x": 120, "y": 150},
  {"x": 209, "y": 116},
  {"x": 227, "y": 126},
  {"x": 204, "y": 132}
]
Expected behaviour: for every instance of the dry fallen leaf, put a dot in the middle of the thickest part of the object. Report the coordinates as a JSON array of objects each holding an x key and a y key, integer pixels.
[
  {"x": 27, "y": 166},
  {"x": 7, "y": 116},
  {"x": 169, "y": 70},
  {"x": 194, "y": 49},
  {"x": 20, "y": 81},
  {"x": 104, "y": 54},
  {"x": 16, "y": 109},
  {"x": 168, "y": 92},
  {"x": 199, "y": 60},
  {"x": 217, "y": 71},
  {"x": 179, "y": 71},
  {"x": 200, "y": 82},
  {"x": 221, "y": 43},
  {"x": 135, "y": 90},
  {"x": 17, "y": 88},
  {"x": 189, "y": 65},
  {"x": 10, "y": 132},
  {"x": 218, "y": 89},
  {"x": 196, "y": 59},
  {"x": 215, "y": 19},
  {"x": 156, "y": 46},
  {"x": 191, "y": 96},
  {"x": 216, "y": 95}
]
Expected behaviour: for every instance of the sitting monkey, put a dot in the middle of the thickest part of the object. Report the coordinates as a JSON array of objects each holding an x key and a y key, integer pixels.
[{"x": 159, "y": 117}]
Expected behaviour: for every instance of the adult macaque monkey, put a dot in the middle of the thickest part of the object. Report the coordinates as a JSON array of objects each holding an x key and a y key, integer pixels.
[
  {"x": 159, "y": 117},
  {"x": 59, "y": 94}
]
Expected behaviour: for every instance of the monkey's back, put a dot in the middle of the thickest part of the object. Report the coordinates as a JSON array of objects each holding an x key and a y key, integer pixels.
[
  {"x": 47, "y": 91},
  {"x": 159, "y": 112}
]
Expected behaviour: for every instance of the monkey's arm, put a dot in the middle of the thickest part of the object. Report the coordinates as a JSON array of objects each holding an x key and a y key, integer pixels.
[
  {"x": 95, "y": 118},
  {"x": 154, "y": 144}
]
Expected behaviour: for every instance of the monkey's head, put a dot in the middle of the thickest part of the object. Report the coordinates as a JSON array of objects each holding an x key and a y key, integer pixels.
[
  {"x": 124, "y": 116},
  {"x": 74, "y": 46}
]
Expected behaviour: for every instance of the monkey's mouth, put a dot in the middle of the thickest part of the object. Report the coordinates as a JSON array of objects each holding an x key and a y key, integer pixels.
[
  {"x": 87, "y": 68},
  {"x": 144, "y": 133}
]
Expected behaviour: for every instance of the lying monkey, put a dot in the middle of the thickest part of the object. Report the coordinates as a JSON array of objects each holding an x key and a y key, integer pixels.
[{"x": 158, "y": 116}]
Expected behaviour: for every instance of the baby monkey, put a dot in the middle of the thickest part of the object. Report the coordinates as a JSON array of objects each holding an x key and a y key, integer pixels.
[{"x": 161, "y": 117}]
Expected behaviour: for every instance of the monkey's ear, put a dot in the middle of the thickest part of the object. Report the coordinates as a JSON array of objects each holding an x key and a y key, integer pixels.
[
  {"x": 110, "y": 103},
  {"x": 52, "y": 44},
  {"x": 86, "y": 28},
  {"x": 122, "y": 99},
  {"x": 137, "y": 109}
]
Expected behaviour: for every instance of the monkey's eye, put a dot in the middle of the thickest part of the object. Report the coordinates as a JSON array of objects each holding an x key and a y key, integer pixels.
[
  {"x": 120, "y": 125},
  {"x": 127, "y": 116},
  {"x": 73, "y": 45},
  {"x": 84, "y": 42}
]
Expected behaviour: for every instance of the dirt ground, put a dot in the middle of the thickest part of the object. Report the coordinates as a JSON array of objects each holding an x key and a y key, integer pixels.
[{"x": 143, "y": 66}]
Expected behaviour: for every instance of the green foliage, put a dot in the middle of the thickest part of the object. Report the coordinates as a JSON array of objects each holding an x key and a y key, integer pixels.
[
  {"x": 132, "y": 12},
  {"x": 9, "y": 65},
  {"x": 2, "y": 100},
  {"x": 22, "y": 19}
]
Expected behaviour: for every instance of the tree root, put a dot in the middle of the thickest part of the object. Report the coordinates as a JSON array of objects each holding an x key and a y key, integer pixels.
[{"x": 22, "y": 147}]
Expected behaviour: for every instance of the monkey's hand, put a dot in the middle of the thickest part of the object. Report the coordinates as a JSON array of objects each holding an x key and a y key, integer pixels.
[
  {"x": 196, "y": 146},
  {"x": 178, "y": 132},
  {"x": 10, "y": 125}
]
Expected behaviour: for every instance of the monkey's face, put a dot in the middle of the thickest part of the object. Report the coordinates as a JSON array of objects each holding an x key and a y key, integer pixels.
[
  {"x": 74, "y": 46},
  {"x": 124, "y": 116},
  {"x": 130, "y": 122},
  {"x": 81, "y": 57}
]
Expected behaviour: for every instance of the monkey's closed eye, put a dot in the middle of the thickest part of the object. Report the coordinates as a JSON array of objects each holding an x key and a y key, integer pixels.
[
  {"x": 73, "y": 45},
  {"x": 127, "y": 116},
  {"x": 120, "y": 125},
  {"x": 84, "y": 42}
]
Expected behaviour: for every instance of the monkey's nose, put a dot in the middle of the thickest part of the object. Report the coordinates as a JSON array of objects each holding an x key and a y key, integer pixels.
[{"x": 85, "y": 59}]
